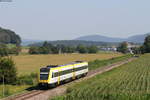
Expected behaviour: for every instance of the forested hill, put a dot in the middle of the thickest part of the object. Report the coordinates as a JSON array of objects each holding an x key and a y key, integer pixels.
[
  {"x": 75, "y": 43},
  {"x": 8, "y": 36}
]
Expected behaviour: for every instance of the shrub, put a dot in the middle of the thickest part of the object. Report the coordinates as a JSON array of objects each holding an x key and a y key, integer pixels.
[
  {"x": 7, "y": 70},
  {"x": 27, "y": 79}
]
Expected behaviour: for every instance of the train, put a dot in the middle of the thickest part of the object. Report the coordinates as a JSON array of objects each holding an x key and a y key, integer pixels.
[{"x": 53, "y": 75}]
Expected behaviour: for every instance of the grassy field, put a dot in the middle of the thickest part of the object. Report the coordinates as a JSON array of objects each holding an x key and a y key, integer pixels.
[
  {"x": 31, "y": 63},
  {"x": 12, "y": 89},
  {"x": 128, "y": 82},
  {"x": 102, "y": 63}
]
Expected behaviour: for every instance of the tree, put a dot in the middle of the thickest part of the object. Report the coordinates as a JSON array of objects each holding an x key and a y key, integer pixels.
[
  {"x": 44, "y": 50},
  {"x": 67, "y": 49},
  {"x": 55, "y": 49},
  {"x": 136, "y": 50},
  {"x": 34, "y": 50},
  {"x": 81, "y": 49},
  {"x": 123, "y": 47},
  {"x": 15, "y": 50},
  {"x": 70, "y": 49},
  {"x": 7, "y": 70},
  {"x": 146, "y": 45},
  {"x": 92, "y": 49},
  {"x": 45, "y": 44},
  {"x": 3, "y": 50},
  {"x": 8, "y": 36}
]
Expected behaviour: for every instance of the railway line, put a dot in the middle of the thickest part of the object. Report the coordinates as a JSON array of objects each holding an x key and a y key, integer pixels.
[{"x": 40, "y": 94}]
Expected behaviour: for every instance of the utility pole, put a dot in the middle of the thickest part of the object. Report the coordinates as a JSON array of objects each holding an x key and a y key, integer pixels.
[{"x": 3, "y": 86}]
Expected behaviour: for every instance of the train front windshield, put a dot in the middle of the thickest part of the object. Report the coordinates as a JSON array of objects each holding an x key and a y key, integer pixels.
[{"x": 44, "y": 73}]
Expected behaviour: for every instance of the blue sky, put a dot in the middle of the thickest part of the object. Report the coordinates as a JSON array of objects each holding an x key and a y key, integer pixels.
[{"x": 68, "y": 19}]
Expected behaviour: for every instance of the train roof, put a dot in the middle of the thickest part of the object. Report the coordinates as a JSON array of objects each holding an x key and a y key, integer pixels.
[{"x": 54, "y": 66}]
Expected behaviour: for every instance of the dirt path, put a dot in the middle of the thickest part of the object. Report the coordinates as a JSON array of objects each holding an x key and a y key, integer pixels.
[{"x": 45, "y": 95}]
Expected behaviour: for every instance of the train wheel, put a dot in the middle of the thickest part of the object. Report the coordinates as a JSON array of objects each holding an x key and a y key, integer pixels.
[
  {"x": 84, "y": 74},
  {"x": 52, "y": 85}
]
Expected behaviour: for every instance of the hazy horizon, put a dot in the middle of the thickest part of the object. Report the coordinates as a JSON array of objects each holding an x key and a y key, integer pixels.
[
  {"x": 66, "y": 20},
  {"x": 83, "y": 36}
]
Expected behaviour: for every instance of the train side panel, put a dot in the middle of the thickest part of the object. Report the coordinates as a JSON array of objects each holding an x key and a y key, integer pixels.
[{"x": 56, "y": 75}]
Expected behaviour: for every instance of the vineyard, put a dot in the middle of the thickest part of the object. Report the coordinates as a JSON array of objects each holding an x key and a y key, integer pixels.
[{"x": 128, "y": 82}]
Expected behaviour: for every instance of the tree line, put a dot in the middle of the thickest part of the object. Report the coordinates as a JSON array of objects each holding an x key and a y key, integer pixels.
[
  {"x": 6, "y": 51},
  {"x": 144, "y": 48},
  {"x": 48, "y": 48}
]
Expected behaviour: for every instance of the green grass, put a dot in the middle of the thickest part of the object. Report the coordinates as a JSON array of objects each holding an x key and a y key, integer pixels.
[
  {"x": 12, "y": 89},
  {"x": 127, "y": 82},
  {"x": 101, "y": 63}
]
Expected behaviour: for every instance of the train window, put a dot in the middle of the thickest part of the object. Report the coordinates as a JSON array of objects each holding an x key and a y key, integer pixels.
[
  {"x": 80, "y": 68},
  {"x": 55, "y": 74},
  {"x": 66, "y": 72},
  {"x": 44, "y": 76},
  {"x": 44, "y": 70}
]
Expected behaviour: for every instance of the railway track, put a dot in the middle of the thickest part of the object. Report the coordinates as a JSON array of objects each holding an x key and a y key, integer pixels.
[
  {"x": 27, "y": 95},
  {"x": 45, "y": 94}
]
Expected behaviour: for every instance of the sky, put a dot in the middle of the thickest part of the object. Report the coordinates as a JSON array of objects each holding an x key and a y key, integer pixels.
[{"x": 69, "y": 19}]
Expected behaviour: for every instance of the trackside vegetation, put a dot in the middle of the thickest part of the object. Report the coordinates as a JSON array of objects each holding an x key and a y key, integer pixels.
[
  {"x": 8, "y": 71},
  {"x": 127, "y": 82},
  {"x": 101, "y": 63},
  {"x": 10, "y": 82}
]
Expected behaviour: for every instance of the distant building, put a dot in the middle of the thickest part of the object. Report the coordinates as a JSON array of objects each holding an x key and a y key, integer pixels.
[
  {"x": 109, "y": 49},
  {"x": 130, "y": 46}
]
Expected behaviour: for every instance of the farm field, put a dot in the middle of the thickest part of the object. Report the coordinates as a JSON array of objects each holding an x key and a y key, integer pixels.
[
  {"x": 31, "y": 63},
  {"x": 128, "y": 82}
]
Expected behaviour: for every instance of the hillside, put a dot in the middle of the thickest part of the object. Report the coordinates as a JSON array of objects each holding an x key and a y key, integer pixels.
[
  {"x": 8, "y": 36},
  {"x": 99, "y": 38},
  {"x": 135, "y": 38}
]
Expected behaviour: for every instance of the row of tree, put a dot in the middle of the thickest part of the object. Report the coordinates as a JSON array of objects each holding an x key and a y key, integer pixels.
[
  {"x": 48, "y": 48},
  {"x": 5, "y": 51}
]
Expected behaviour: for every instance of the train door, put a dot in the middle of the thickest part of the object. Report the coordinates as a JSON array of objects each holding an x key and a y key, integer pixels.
[
  {"x": 73, "y": 72},
  {"x": 58, "y": 80}
]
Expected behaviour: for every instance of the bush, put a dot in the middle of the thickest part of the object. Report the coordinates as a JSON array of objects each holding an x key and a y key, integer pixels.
[
  {"x": 14, "y": 50},
  {"x": 82, "y": 49},
  {"x": 123, "y": 47},
  {"x": 7, "y": 70},
  {"x": 3, "y": 50},
  {"x": 146, "y": 45},
  {"x": 27, "y": 79},
  {"x": 92, "y": 49}
]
